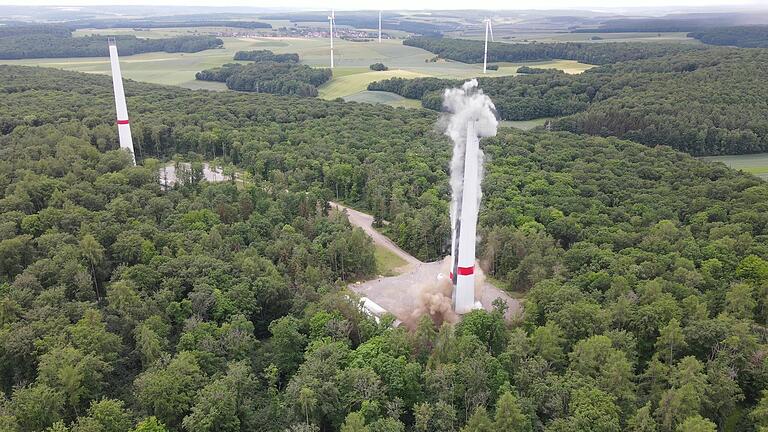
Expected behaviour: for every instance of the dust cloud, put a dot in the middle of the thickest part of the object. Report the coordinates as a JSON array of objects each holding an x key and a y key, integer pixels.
[{"x": 461, "y": 106}]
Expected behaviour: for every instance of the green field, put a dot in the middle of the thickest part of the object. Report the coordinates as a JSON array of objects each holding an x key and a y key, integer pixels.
[
  {"x": 357, "y": 82},
  {"x": 525, "y": 124},
  {"x": 391, "y": 99},
  {"x": 387, "y": 262},
  {"x": 351, "y": 75},
  {"x": 756, "y": 164}
]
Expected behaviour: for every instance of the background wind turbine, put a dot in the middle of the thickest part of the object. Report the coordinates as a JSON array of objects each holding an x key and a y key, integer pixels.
[
  {"x": 331, "y": 20},
  {"x": 488, "y": 28},
  {"x": 379, "y": 26}
]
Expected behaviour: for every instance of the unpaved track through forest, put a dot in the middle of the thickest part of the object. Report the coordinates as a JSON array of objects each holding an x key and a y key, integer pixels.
[{"x": 400, "y": 295}]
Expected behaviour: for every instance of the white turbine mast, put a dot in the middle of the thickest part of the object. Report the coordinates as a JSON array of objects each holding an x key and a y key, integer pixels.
[
  {"x": 331, "y": 22},
  {"x": 379, "y": 26},
  {"x": 488, "y": 29},
  {"x": 123, "y": 125},
  {"x": 464, "y": 232}
]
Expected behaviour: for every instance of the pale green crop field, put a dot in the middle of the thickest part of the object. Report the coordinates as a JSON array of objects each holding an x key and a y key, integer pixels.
[
  {"x": 387, "y": 98},
  {"x": 387, "y": 262},
  {"x": 354, "y": 83},
  {"x": 352, "y": 60},
  {"x": 525, "y": 124},
  {"x": 756, "y": 164}
]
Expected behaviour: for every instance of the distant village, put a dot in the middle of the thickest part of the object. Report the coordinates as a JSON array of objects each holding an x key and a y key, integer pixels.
[{"x": 302, "y": 32}]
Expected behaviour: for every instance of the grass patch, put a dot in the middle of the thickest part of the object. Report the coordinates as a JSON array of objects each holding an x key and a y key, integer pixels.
[
  {"x": 387, "y": 261},
  {"x": 756, "y": 164},
  {"x": 391, "y": 99},
  {"x": 354, "y": 83},
  {"x": 498, "y": 283},
  {"x": 525, "y": 124}
]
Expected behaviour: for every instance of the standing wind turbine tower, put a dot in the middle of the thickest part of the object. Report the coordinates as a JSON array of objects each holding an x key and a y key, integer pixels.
[
  {"x": 488, "y": 28},
  {"x": 123, "y": 126},
  {"x": 331, "y": 20},
  {"x": 465, "y": 230},
  {"x": 379, "y": 26}
]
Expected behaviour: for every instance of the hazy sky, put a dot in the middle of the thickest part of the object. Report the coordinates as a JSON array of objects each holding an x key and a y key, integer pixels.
[{"x": 407, "y": 4}]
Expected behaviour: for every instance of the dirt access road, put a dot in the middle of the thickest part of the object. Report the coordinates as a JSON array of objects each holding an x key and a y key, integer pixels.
[
  {"x": 365, "y": 221},
  {"x": 402, "y": 294}
]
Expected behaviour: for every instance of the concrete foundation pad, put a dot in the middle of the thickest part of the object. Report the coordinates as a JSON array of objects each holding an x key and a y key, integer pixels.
[{"x": 401, "y": 295}]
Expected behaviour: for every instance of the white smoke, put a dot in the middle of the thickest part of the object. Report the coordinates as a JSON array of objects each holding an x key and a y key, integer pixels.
[{"x": 462, "y": 105}]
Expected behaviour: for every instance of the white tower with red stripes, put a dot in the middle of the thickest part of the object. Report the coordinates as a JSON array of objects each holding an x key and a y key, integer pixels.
[
  {"x": 123, "y": 125},
  {"x": 465, "y": 229}
]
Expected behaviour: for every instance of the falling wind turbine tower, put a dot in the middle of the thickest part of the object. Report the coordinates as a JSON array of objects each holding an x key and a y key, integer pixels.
[
  {"x": 488, "y": 28},
  {"x": 123, "y": 126},
  {"x": 465, "y": 229},
  {"x": 331, "y": 20}
]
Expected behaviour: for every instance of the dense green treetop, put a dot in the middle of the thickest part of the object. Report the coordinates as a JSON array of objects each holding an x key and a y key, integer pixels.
[
  {"x": 266, "y": 55},
  {"x": 741, "y": 36},
  {"x": 266, "y": 76},
  {"x": 219, "y": 307},
  {"x": 55, "y": 44},
  {"x": 707, "y": 102},
  {"x": 471, "y": 51}
]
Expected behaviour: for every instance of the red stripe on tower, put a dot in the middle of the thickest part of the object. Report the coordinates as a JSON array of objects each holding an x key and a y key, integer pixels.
[
  {"x": 122, "y": 122},
  {"x": 466, "y": 271}
]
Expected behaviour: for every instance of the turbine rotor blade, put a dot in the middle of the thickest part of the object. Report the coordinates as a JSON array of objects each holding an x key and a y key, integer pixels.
[{"x": 490, "y": 27}]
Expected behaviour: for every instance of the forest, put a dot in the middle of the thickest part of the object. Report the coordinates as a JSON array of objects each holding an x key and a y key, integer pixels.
[
  {"x": 269, "y": 73},
  {"x": 220, "y": 307},
  {"x": 266, "y": 55},
  {"x": 52, "y": 42},
  {"x": 704, "y": 102},
  {"x": 471, "y": 51},
  {"x": 542, "y": 94},
  {"x": 675, "y": 22},
  {"x": 740, "y": 36}
]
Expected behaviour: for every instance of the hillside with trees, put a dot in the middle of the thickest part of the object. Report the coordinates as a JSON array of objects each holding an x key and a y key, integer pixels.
[
  {"x": 18, "y": 43},
  {"x": 706, "y": 102},
  {"x": 546, "y": 94},
  {"x": 471, "y": 51},
  {"x": 739, "y": 36},
  {"x": 213, "y": 307},
  {"x": 676, "y": 22}
]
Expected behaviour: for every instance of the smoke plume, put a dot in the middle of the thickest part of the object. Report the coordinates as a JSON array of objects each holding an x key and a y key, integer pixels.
[{"x": 462, "y": 105}]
